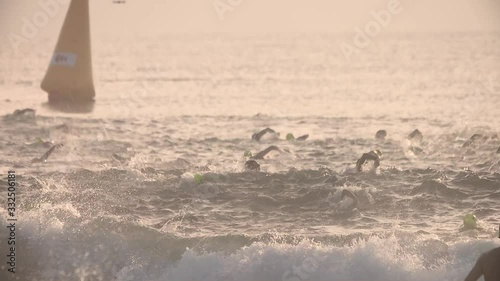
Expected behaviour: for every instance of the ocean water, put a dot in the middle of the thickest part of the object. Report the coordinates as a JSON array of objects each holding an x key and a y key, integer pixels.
[{"x": 119, "y": 200}]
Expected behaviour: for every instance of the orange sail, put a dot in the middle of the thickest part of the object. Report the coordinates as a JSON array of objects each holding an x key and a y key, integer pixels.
[{"x": 69, "y": 76}]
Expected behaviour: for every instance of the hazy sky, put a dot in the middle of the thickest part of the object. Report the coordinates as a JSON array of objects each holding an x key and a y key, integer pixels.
[{"x": 161, "y": 16}]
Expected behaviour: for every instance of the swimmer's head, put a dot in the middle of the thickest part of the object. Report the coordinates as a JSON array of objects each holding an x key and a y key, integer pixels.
[
  {"x": 252, "y": 165},
  {"x": 247, "y": 154},
  {"x": 290, "y": 137},
  {"x": 378, "y": 153},
  {"x": 470, "y": 221},
  {"x": 255, "y": 137},
  {"x": 381, "y": 134}
]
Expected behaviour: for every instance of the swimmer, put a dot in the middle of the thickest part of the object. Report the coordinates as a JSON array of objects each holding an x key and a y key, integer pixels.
[
  {"x": 487, "y": 265},
  {"x": 416, "y": 136},
  {"x": 23, "y": 115},
  {"x": 373, "y": 155},
  {"x": 44, "y": 157},
  {"x": 381, "y": 134},
  {"x": 291, "y": 137},
  {"x": 252, "y": 165},
  {"x": 26, "y": 111},
  {"x": 259, "y": 135},
  {"x": 415, "y": 139},
  {"x": 264, "y": 152}
]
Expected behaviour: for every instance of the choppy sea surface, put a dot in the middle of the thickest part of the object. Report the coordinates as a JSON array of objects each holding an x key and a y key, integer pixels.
[{"x": 120, "y": 200}]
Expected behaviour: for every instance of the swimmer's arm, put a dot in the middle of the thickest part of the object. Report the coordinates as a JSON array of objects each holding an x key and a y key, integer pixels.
[
  {"x": 468, "y": 143},
  {"x": 260, "y": 134},
  {"x": 471, "y": 140},
  {"x": 49, "y": 152},
  {"x": 415, "y": 133},
  {"x": 476, "y": 271},
  {"x": 302, "y": 138},
  {"x": 264, "y": 152},
  {"x": 361, "y": 161}
]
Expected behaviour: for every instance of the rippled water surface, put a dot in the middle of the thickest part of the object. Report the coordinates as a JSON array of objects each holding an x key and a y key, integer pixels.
[{"x": 119, "y": 201}]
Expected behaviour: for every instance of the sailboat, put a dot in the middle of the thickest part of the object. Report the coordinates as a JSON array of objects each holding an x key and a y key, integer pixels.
[{"x": 69, "y": 75}]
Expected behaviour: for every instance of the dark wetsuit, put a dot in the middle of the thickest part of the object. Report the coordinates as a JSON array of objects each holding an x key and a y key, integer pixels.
[
  {"x": 44, "y": 157},
  {"x": 302, "y": 138},
  {"x": 488, "y": 265},
  {"x": 372, "y": 155},
  {"x": 259, "y": 135},
  {"x": 264, "y": 152}
]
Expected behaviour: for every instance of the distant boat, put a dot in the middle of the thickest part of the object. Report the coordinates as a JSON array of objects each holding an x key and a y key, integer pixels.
[{"x": 69, "y": 76}]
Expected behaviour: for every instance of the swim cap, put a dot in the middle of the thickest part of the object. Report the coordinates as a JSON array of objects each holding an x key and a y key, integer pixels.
[
  {"x": 290, "y": 136},
  {"x": 470, "y": 221},
  {"x": 252, "y": 165},
  {"x": 381, "y": 134},
  {"x": 247, "y": 154},
  {"x": 198, "y": 178}
]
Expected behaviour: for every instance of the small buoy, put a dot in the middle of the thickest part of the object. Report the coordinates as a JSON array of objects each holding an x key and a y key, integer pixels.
[{"x": 381, "y": 134}]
